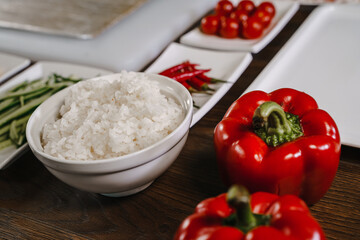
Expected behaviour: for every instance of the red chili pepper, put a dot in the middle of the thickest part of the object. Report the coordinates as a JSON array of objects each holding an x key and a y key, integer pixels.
[
  {"x": 187, "y": 72},
  {"x": 168, "y": 72},
  {"x": 199, "y": 85},
  {"x": 187, "y": 75},
  {"x": 190, "y": 68},
  {"x": 279, "y": 143},
  {"x": 207, "y": 79},
  {"x": 238, "y": 216},
  {"x": 188, "y": 87}
]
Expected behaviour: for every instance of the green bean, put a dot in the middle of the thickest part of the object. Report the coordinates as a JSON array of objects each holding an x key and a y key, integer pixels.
[
  {"x": 17, "y": 133},
  {"x": 60, "y": 85},
  {"x": 26, "y": 108},
  {"x": 8, "y": 111},
  {"x": 6, "y": 104},
  {"x": 23, "y": 92},
  {"x": 17, "y": 105},
  {"x": 19, "y": 122},
  {"x": 36, "y": 94},
  {"x": 21, "y": 100},
  {"x": 26, "y": 84},
  {"x": 5, "y": 144},
  {"x": 74, "y": 80},
  {"x": 21, "y": 140},
  {"x": 13, "y": 133},
  {"x": 20, "y": 86},
  {"x": 3, "y": 137}
]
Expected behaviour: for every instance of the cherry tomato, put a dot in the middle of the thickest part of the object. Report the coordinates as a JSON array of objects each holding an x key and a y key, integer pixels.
[
  {"x": 229, "y": 28},
  {"x": 264, "y": 16},
  {"x": 210, "y": 24},
  {"x": 224, "y": 8},
  {"x": 252, "y": 28},
  {"x": 240, "y": 15},
  {"x": 246, "y": 5},
  {"x": 268, "y": 7}
]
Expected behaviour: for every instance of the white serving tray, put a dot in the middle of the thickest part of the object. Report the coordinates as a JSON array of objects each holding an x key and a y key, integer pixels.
[
  {"x": 285, "y": 10},
  {"x": 39, "y": 70},
  {"x": 226, "y": 66},
  {"x": 323, "y": 59},
  {"x": 130, "y": 45},
  {"x": 11, "y": 64},
  {"x": 83, "y": 19}
]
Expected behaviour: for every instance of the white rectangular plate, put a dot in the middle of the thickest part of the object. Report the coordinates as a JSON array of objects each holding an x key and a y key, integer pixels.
[
  {"x": 39, "y": 70},
  {"x": 323, "y": 59},
  {"x": 284, "y": 12},
  {"x": 11, "y": 64},
  {"x": 226, "y": 66}
]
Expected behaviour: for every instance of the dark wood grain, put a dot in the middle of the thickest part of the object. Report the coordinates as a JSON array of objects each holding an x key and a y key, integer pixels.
[{"x": 35, "y": 205}]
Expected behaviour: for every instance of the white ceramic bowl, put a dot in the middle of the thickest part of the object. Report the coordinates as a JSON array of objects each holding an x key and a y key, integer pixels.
[{"x": 118, "y": 176}]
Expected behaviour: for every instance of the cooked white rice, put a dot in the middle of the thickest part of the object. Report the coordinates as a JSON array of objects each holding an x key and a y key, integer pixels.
[{"x": 108, "y": 118}]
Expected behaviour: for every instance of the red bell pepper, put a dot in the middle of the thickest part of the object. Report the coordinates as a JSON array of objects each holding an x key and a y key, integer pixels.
[
  {"x": 280, "y": 143},
  {"x": 237, "y": 215}
]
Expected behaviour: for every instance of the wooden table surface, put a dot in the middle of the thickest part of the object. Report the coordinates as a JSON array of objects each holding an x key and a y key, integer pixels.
[{"x": 35, "y": 205}]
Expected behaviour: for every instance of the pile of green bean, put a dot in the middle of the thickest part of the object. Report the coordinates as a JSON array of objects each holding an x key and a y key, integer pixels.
[{"x": 17, "y": 105}]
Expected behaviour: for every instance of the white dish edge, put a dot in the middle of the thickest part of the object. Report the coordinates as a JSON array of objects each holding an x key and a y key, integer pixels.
[{"x": 20, "y": 64}]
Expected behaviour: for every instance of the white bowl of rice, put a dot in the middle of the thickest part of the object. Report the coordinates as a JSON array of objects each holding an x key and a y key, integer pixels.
[{"x": 112, "y": 135}]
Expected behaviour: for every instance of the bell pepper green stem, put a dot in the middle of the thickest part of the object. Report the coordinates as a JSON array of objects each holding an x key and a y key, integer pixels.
[
  {"x": 275, "y": 126},
  {"x": 244, "y": 219}
]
